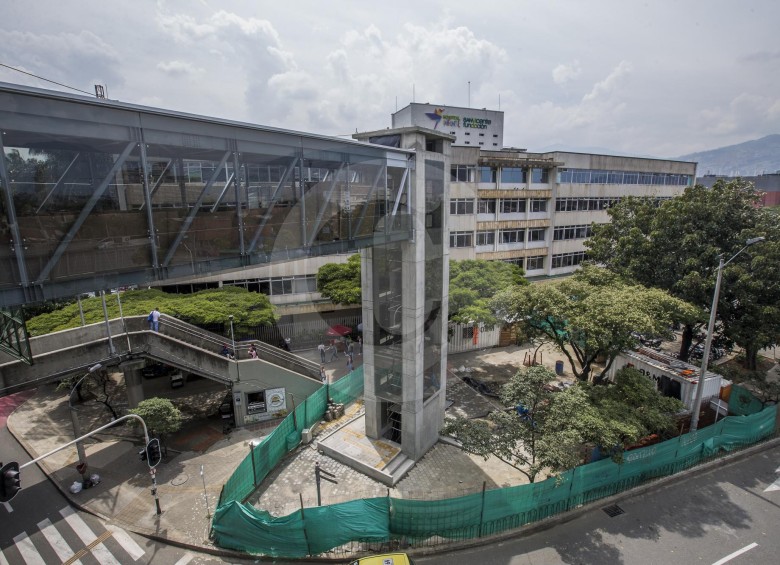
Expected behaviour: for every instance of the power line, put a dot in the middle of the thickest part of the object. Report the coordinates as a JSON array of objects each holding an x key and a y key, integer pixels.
[{"x": 46, "y": 79}]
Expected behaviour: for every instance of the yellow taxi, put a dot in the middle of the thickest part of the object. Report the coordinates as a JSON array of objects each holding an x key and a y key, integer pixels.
[{"x": 384, "y": 559}]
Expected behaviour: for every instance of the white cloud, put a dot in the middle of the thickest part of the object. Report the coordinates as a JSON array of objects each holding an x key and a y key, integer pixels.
[
  {"x": 608, "y": 85},
  {"x": 178, "y": 68},
  {"x": 563, "y": 73},
  {"x": 584, "y": 75}
]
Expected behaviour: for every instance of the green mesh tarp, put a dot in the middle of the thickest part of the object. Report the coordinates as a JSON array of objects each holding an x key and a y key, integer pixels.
[
  {"x": 286, "y": 436},
  {"x": 245, "y": 528},
  {"x": 360, "y": 520},
  {"x": 386, "y": 519},
  {"x": 348, "y": 388},
  {"x": 742, "y": 402},
  {"x": 450, "y": 518}
]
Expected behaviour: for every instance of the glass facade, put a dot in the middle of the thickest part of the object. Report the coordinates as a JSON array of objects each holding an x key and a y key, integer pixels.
[
  {"x": 388, "y": 295},
  {"x": 98, "y": 194},
  {"x": 592, "y": 176}
]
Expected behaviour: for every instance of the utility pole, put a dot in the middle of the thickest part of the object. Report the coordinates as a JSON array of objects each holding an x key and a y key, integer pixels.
[{"x": 321, "y": 474}]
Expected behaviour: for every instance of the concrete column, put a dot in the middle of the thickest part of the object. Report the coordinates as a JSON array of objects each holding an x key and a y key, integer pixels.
[
  {"x": 133, "y": 381},
  {"x": 370, "y": 401}
]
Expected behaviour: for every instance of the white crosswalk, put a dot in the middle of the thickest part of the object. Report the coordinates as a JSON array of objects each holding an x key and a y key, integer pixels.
[{"x": 34, "y": 548}]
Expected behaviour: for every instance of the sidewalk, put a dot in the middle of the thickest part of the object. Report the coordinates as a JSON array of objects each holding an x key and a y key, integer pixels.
[{"x": 124, "y": 497}]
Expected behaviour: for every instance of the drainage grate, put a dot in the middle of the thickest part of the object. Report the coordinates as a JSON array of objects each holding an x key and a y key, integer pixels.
[{"x": 613, "y": 510}]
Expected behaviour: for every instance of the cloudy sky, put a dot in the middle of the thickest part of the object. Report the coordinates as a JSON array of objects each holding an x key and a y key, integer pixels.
[{"x": 660, "y": 77}]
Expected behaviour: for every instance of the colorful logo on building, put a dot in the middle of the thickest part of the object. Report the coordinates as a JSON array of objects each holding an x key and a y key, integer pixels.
[{"x": 435, "y": 116}]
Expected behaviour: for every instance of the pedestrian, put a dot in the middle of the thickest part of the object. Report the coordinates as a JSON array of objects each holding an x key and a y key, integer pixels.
[
  {"x": 334, "y": 353},
  {"x": 360, "y": 345},
  {"x": 226, "y": 351},
  {"x": 154, "y": 320},
  {"x": 252, "y": 352},
  {"x": 323, "y": 375},
  {"x": 287, "y": 342},
  {"x": 321, "y": 348},
  {"x": 350, "y": 349},
  {"x": 349, "y": 364}
]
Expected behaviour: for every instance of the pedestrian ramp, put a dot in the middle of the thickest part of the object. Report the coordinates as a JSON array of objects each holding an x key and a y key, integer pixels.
[
  {"x": 380, "y": 459},
  {"x": 69, "y": 539}
]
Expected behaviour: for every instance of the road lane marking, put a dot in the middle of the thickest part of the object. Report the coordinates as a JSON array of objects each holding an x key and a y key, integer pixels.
[
  {"x": 56, "y": 541},
  {"x": 26, "y": 548},
  {"x": 8, "y": 507},
  {"x": 93, "y": 542},
  {"x": 736, "y": 554},
  {"x": 128, "y": 544}
]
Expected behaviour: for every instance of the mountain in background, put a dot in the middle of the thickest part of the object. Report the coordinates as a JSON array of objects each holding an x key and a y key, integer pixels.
[{"x": 751, "y": 158}]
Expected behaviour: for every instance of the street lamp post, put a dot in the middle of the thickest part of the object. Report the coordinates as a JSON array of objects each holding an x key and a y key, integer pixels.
[
  {"x": 710, "y": 327},
  {"x": 74, "y": 413}
]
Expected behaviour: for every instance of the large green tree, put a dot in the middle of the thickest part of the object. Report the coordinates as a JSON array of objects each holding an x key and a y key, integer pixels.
[
  {"x": 590, "y": 315},
  {"x": 548, "y": 435},
  {"x": 473, "y": 283},
  {"x": 341, "y": 281},
  {"x": 212, "y": 306},
  {"x": 675, "y": 245},
  {"x": 552, "y": 431}
]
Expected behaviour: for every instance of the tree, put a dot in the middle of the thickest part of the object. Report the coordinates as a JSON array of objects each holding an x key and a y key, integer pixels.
[
  {"x": 592, "y": 314},
  {"x": 212, "y": 306},
  {"x": 96, "y": 387},
  {"x": 340, "y": 282},
  {"x": 675, "y": 246},
  {"x": 547, "y": 431},
  {"x": 473, "y": 283},
  {"x": 633, "y": 405},
  {"x": 749, "y": 305},
  {"x": 160, "y": 415},
  {"x": 528, "y": 436}
]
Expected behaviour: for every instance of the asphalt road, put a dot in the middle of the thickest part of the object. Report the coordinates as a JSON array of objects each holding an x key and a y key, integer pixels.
[{"x": 726, "y": 515}]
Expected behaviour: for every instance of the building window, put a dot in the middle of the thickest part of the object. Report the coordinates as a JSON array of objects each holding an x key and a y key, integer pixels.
[
  {"x": 468, "y": 332},
  {"x": 536, "y": 234},
  {"x": 539, "y": 175},
  {"x": 486, "y": 206},
  {"x": 538, "y": 204},
  {"x": 562, "y": 233},
  {"x": 460, "y": 206},
  {"x": 515, "y": 261},
  {"x": 461, "y": 239},
  {"x": 486, "y": 237},
  {"x": 568, "y": 259},
  {"x": 584, "y": 204},
  {"x": 534, "y": 263},
  {"x": 512, "y": 174},
  {"x": 512, "y": 205},
  {"x": 487, "y": 174},
  {"x": 511, "y": 236},
  {"x": 462, "y": 173},
  {"x": 593, "y": 176}
]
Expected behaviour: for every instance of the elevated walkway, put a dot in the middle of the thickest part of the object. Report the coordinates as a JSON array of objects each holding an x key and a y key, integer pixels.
[{"x": 179, "y": 344}]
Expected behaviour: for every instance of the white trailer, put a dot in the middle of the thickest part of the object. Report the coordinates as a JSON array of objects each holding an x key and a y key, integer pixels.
[{"x": 672, "y": 377}]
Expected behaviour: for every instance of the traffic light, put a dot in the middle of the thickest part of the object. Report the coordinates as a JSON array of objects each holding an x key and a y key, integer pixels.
[
  {"x": 153, "y": 454},
  {"x": 9, "y": 481}
]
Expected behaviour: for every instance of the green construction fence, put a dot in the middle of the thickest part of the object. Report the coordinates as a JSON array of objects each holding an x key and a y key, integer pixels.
[{"x": 313, "y": 531}]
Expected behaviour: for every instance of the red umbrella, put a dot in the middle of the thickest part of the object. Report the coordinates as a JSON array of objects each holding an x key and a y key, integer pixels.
[{"x": 338, "y": 330}]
